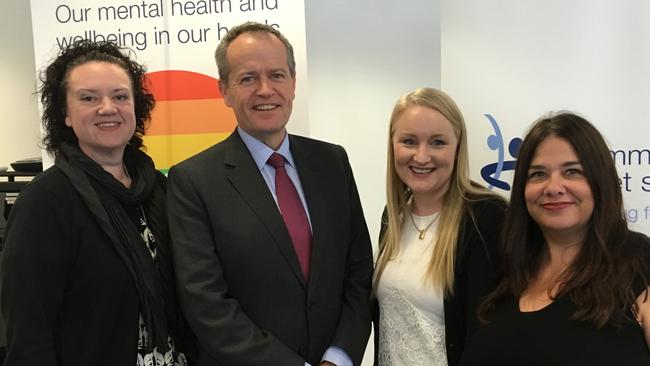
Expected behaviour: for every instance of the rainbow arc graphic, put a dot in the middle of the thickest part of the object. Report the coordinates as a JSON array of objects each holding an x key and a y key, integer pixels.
[{"x": 190, "y": 116}]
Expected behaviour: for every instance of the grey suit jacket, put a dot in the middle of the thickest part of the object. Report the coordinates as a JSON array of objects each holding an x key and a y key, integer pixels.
[{"x": 239, "y": 280}]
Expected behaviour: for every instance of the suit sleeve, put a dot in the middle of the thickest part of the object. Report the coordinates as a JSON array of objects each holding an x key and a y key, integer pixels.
[
  {"x": 222, "y": 329},
  {"x": 34, "y": 262},
  {"x": 354, "y": 325}
]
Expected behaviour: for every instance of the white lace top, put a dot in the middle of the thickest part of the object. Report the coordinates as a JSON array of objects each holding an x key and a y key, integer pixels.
[{"x": 412, "y": 319}]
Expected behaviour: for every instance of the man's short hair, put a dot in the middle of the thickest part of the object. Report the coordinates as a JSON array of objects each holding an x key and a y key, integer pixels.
[{"x": 221, "y": 54}]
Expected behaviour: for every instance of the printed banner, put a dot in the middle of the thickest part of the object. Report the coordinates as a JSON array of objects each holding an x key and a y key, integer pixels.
[{"x": 176, "y": 40}]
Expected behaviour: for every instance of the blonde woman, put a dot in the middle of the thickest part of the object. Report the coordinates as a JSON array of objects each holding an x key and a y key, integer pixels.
[{"x": 439, "y": 239}]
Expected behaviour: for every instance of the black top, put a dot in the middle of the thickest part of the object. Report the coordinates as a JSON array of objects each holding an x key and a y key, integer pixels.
[{"x": 549, "y": 336}]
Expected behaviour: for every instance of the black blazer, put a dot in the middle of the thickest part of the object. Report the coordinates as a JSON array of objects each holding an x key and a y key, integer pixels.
[
  {"x": 476, "y": 273},
  {"x": 239, "y": 280},
  {"x": 66, "y": 295}
]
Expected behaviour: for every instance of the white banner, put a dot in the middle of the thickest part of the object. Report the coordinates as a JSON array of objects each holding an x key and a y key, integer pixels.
[{"x": 176, "y": 40}]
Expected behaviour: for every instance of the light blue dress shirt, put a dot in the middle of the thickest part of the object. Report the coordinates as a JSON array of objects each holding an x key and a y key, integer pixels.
[{"x": 261, "y": 153}]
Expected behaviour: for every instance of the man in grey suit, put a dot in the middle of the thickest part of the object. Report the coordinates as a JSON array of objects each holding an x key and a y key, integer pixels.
[{"x": 263, "y": 281}]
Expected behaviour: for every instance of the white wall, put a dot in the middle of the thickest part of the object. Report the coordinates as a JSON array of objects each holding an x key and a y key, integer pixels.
[
  {"x": 19, "y": 124},
  {"x": 361, "y": 57}
]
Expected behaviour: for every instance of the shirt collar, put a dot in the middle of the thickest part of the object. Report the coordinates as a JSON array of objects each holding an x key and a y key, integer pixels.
[{"x": 261, "y": 152}]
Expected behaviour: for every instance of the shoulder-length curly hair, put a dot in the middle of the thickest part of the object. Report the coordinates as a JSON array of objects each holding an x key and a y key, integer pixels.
[{"x": 54, "y": 84}]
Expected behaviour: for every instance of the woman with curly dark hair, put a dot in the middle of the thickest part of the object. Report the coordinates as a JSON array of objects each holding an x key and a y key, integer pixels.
[
  {"x": 575, "y": 284},
  {"x": 86, "y": 274}
]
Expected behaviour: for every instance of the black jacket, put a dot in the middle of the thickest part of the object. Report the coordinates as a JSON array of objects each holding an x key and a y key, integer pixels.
[{"x": 67, "y": 296}]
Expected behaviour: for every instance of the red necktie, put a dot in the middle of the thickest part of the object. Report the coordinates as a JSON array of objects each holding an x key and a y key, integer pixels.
[{"x": 292, "y": 212}]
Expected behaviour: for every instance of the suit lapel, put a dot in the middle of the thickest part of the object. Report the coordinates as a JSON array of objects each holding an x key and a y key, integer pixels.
[
  {"x": 247, "y": 180},
  {"x": 314, "y": 183}
]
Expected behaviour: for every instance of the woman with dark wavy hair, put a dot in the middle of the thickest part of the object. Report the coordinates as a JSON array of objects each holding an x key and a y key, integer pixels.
[
  {"x": 575, "y": 289},
  {"x": 86, "y": 274}
]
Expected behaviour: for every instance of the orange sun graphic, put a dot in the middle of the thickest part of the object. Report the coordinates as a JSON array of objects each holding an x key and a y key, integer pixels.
[{"x": 190, "y": 116}]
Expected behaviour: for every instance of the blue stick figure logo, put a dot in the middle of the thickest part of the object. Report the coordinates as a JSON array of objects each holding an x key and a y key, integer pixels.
[{"x": 492, "y": 172}]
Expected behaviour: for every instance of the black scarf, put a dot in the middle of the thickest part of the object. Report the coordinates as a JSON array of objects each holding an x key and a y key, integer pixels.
[{"x": 106, "y": 197}]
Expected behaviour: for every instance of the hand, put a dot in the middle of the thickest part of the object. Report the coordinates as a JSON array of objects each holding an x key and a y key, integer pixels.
[{"x": 642, "y": 313}]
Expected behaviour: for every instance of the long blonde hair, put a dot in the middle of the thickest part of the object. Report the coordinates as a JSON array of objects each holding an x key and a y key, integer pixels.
[{"x": 441, "y": 266}]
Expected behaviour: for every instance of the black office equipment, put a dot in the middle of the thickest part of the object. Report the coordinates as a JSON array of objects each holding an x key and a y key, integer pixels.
[{"x": 33, "y": 165}]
